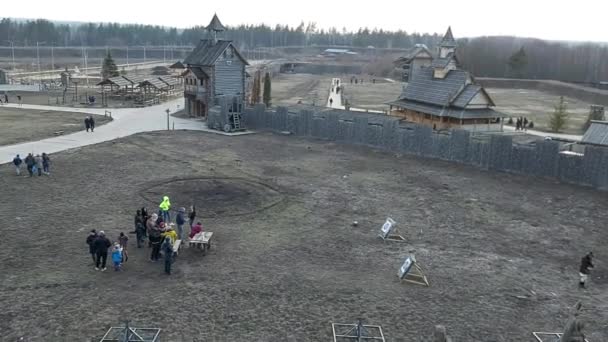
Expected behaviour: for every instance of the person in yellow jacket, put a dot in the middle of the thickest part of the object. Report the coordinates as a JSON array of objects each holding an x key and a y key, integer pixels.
[
  {"x": 164, "y": 207},
  {"x": 169, "y": 233}
]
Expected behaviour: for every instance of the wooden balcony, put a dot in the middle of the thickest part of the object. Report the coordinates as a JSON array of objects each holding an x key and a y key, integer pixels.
[{"x": 199, "y": 91}]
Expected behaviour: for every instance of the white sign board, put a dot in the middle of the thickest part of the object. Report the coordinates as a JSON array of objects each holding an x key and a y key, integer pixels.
[
  {"x": 405, "y": 268},
  {"x": 387, "y": 228}
]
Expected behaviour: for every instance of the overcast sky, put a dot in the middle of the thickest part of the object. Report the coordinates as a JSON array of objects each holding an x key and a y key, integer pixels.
[{"x": 578, "y": 20}]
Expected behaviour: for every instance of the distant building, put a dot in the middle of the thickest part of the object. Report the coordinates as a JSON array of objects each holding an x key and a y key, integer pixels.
[
  {"x": 336, "y": 52},
  {"x": 442, "y": 95},
  {"x": 3, "y": 76},
  {"x": 596, "y": 134},
  {"x": 420, "y": 57},
  {"x": 214, "y": 69}
]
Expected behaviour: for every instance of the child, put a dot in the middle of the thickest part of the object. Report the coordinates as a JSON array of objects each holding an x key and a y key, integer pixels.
[
  {"x": 117, "y": 256},
  {"x": 123, "y": 240}
]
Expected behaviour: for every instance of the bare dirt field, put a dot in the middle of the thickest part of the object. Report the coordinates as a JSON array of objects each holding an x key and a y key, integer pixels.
[
  {"x": 20, "y": 125},
  {"x": 288, "y": 89},
  {"x": 369, "y": 95},
  {"x": 538, "y": 106},
  {"x": 501, "y": 251}
]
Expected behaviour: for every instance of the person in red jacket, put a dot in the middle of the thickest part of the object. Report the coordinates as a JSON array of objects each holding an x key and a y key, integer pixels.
[{"x": 197, "y": 228}]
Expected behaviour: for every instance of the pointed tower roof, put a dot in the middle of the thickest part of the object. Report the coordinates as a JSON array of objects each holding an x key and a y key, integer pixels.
[
  {"x": 448, "y": 39},
  {"x": 215, "y": 25}
]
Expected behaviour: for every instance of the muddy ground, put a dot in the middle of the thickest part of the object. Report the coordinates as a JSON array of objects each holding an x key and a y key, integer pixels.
[
  {"x": 20, "y": 125},
  {"x": 501, "y": 252}
]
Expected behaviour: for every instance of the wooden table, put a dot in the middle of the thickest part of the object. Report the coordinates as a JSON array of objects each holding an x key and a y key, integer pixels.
[{"x": 202, "y": 239}]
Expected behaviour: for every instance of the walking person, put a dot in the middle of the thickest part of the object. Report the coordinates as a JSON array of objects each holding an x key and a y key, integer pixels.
[
  {"x": 192, "y": 215},
  {"x": 30, "y": 163},
  {"x": 101, "y": 245},
  {"x": 167, "y": 248},
  {"x": 123, "y": 241},
  {"x": 90, "y": 241},
  {"x": 585, "y": 269},
  {"x": 331, "y": 102},
  {"x": 180, "y": 220},
  {"x": 5, "y": 98},
  {"x": 87, "y": 123},
  {"x": 19, "y": 100},
  {"x": 46, "y": 164},
  {"x": 117, "y": 257},
  {"x": 38, "y": 159},
  {"x": 17, "y": 162},
  {"x": 164, "y": 207},
  {"x": 92, "y": 123},
  {"x": 525, "y": 124}
]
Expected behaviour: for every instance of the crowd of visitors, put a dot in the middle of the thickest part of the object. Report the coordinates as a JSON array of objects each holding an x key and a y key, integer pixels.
[
  {"x": 156, "y": 228},
  {"x": 38, "y": 164}
]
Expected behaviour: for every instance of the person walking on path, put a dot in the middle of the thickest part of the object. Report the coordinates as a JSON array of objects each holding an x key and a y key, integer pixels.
[
  {"x": 101, "y": 245},
  {"x": 5, "y": 98},
  {"x": 331, "y": 102},
  {"x": 39, "y": 164},
  {"x": 19, "y": 100},
  {"x": 90, "y": 241},
  {"x": 17, "y": 162},
  {"x": 29, "y": 163},
  {"x": 586, "y": 265},
  {"x": 192, "y": 215},
  {"x": 92, "y": 123},
  {"x": 87, "y": 123},
  {"x": 117, "y": 256},
  {"x": 123, "y": 241},
  {"x": 46, "y": 164},
  {"x": 180, "y": 220},
  {"x": 165, "y": 206},
  {"x": 167, "y": 248}
]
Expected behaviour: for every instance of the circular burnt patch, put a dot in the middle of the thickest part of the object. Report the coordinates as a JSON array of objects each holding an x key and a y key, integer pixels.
[{"x": 214, "y": 197}]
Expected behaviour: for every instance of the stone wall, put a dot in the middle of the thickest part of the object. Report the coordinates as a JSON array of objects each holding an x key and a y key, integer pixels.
[{"x": 388, "y": 133}]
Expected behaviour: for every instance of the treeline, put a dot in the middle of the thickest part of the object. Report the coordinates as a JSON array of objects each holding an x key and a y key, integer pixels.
[
  {"x": 514, "y": 57},
  {"x": 485, "y": 56},
  {"x": 247, "y": 36}
]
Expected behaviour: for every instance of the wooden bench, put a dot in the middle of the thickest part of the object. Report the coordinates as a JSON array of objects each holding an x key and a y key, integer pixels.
[
  {"x": 176, "y": 245},
  {"x": 202, "y": 240}
]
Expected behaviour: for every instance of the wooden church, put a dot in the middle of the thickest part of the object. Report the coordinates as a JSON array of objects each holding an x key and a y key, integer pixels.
[{"x": 214, "y": 69}]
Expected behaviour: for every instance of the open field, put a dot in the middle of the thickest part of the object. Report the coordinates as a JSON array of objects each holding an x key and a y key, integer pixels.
[
  {"x": 501, "y": 251},
  {"x": 20, "y": 125},
  {"x": 288, "y": 89},
  {"x": 371, "y": 96},
  {"x": 538, "y": 106}
]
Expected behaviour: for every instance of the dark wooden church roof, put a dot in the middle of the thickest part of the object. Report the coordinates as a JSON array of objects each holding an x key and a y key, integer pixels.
[
  {"x": 177, "y": 65},
  {"x": 215, "y": 24},
  {"x": 448, "y": 39},
  {"x": 207, "y": 52},
  {"x": 448, "y": 96}
]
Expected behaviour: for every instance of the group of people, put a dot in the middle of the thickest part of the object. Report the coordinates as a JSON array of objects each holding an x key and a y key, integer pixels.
[
  {"x": 5, "y": 97},
  {"x": 89, "y": 123},
  {"x": 99, "y": 245},
  {"x": 522, "y": 124},
  {"x": 39, "y": 164},
  {"x": 157, "y": 228}
]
